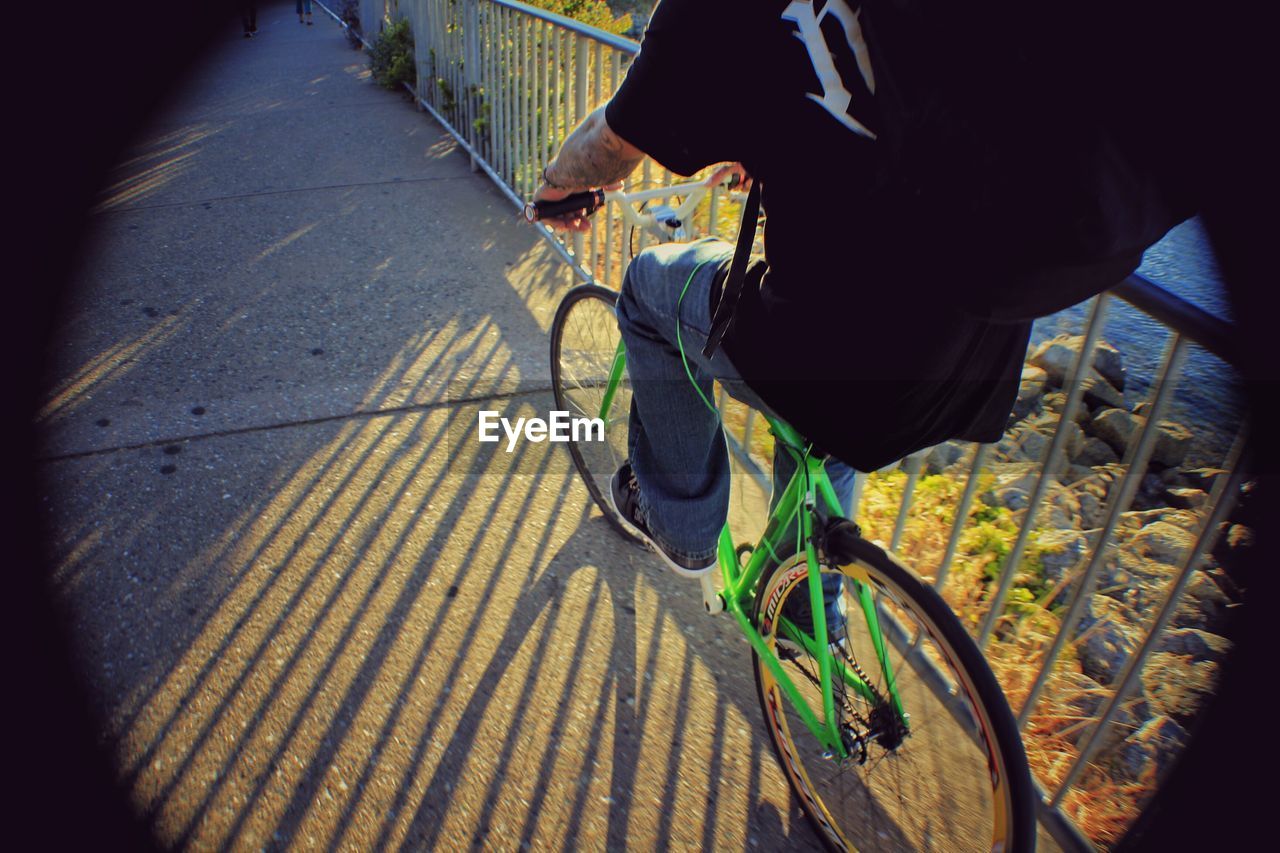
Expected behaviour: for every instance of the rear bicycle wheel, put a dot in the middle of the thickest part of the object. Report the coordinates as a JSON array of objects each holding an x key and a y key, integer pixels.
[
  {"x": 584, "y": 351},
  {"x": 954, "y": 777}
]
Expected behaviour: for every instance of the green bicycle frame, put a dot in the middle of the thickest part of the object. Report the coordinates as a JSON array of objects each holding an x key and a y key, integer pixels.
[{"x": 792, "y": 515}]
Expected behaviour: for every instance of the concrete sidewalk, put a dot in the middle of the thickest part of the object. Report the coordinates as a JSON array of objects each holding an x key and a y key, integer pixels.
[{"x": 310, "y": 611}]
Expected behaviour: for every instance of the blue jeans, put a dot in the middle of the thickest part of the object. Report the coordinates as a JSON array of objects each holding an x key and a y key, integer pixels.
[
  {"x": 299, "y": 4},
  {"x": 676, "y": 445}
]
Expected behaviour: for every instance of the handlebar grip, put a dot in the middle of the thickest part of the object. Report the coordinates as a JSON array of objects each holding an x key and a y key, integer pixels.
[{"x": 585, "y": 203}]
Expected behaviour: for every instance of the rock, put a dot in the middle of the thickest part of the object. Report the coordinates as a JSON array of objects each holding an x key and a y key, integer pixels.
[
  {"x": 1093, "y": 509},
  {"x": 1189, "y": 614},
  {"x": 1023, "y": 444},
  {"x": 1056, "y": 402},
  {"x": 1172, "y": 442},
  {"x": 1083, "y": 699},
  {"x": 1110, "y": 363},
  {"x": 1203, "y": 604},
  {"x": 1018, "y": 475},
  {"x": 1099, "y": 392},
  {"x": 1177, "y": 687},
  {"x": 1060, "y": 552},
  {"x": 1029, "y": 391},
  {"x": 1239, "y": 536},
  {"x": 1075, "y": 474},
  {"x": 1196, "y": 644},
  {"x": 1011, "y": 498},
  {"x": 1062, "y": 511},
  {"x": 1207, "y": 597},
  {"x": 1056, "y": 356},
  {"x": 1080, "y": 693},
  {"x": 1150, "y": 494},
  {"x": 1106, "y": 640},
  {"x": 1129, "y": 579},
  {"x": 1187, "y": 498},
  {"x": 1202, "y": 478},
  {"x": 1075, "y": 438},
  {"x": 1095, "y": 451},
  {"x": 1134, "y": 520},
  {"x": 1117, "y": 570},
  {"x": 1029, "y": 441},
  {"x": 1012, "y": 489},
  {"x": 1091, "y": 493},
  {"x": 1115, "y": 427},
  {"x": 1135, "y": 566},
  {"x": 1148, "y": 752},
  {"x": 1162, "y": 542},
  {"x": 943, "y": 456},
  {"x": 1110, "y": 473},
  {"x": 1184, "y": 518}
]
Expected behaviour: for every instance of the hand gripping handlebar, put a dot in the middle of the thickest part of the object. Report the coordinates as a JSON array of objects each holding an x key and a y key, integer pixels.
[{"x": 585, "y": 203}]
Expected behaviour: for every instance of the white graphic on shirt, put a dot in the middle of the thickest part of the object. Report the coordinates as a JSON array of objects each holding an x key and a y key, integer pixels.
[{"x": 835, "y": 97}]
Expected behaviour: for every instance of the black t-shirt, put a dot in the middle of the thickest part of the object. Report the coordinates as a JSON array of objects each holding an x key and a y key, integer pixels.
[{"x": 854, "y": 335}]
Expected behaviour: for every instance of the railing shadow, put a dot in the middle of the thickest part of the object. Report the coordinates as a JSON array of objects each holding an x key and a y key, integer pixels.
[{"x": 405, "y": 639}]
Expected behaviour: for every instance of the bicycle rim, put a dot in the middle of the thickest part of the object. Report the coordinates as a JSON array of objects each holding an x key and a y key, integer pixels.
[
  {"x": 584, "y": 344},
  {"x": 956, "y": 780}
]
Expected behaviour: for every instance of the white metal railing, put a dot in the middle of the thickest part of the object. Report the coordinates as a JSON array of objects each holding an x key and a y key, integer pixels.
[{"x": 509, "y": 81}]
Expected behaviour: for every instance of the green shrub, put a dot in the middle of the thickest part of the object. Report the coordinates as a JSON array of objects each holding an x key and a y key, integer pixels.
[
  {"x": 391, "y": 57},
  {"x": 1021, "y": 601},
  {"x": 595, "y": 13}
]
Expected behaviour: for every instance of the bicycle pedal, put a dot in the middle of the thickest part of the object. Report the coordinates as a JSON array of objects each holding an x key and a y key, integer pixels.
[{"x": 712, "y": 601}]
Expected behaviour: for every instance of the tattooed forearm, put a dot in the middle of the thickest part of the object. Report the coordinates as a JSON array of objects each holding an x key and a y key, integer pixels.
[{"x": 593, "y": 156}]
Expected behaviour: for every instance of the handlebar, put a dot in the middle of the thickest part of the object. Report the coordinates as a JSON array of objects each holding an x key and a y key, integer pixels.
[
  {"x": 590, "y": 201},
  {"x": 585, "y": 203}
]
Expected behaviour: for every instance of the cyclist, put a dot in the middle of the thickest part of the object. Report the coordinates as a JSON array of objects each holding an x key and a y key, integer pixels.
[
  {"x": 883, "y": 370},
  {"x": 905, "y": 212}
]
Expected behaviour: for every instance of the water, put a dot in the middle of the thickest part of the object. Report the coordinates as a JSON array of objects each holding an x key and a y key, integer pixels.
[{"x": 1207, "y": 400}]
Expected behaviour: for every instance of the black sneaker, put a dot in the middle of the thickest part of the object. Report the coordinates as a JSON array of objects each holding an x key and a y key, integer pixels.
[
  {"x": 624, "y": 492},
  {"x": 797, "y": 610}
]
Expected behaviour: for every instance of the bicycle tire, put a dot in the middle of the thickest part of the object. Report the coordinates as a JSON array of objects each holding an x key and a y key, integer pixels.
[
  {"x": 584, "y": 340},
  {"x": 958, "y": 780}
]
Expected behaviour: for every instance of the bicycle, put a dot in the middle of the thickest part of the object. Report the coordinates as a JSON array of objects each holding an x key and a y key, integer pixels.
[{"x": 894, "y": 736}]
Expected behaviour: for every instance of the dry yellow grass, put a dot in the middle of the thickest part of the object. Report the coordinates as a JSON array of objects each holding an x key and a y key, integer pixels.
[{"x": 1100, "y": 804}]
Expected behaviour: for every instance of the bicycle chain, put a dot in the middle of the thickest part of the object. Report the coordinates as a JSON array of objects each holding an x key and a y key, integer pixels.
[
  {"x": 852, "y": 711},
  {"x": 858, "y": 671}
]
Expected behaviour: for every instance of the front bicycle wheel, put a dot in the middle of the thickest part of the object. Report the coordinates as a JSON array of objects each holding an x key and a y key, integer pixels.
[
  {"x": 950, "y": 772},
  {"x": 588, "y": 377}
]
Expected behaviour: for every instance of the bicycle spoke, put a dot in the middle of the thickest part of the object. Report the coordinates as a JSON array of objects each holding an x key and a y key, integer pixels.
[
  {"x": 923, "y": 787},
  {"x": 584, "y": 349}
]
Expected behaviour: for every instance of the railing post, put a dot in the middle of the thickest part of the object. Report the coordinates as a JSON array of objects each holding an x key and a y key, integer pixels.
[
  {"x": 1078, "y": 373},
  {"x": 914, "y": 463},
  {"x": 1119, "y": 504},
  {"x": 855, "y": 499},
  {"x": 540, "y": 74},
  {"x": 1223, "y": 499},
  {"x": 580, "y": 111},
  {"x": 471, "y": 70},
  {"x": 980, "y": 454}
]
